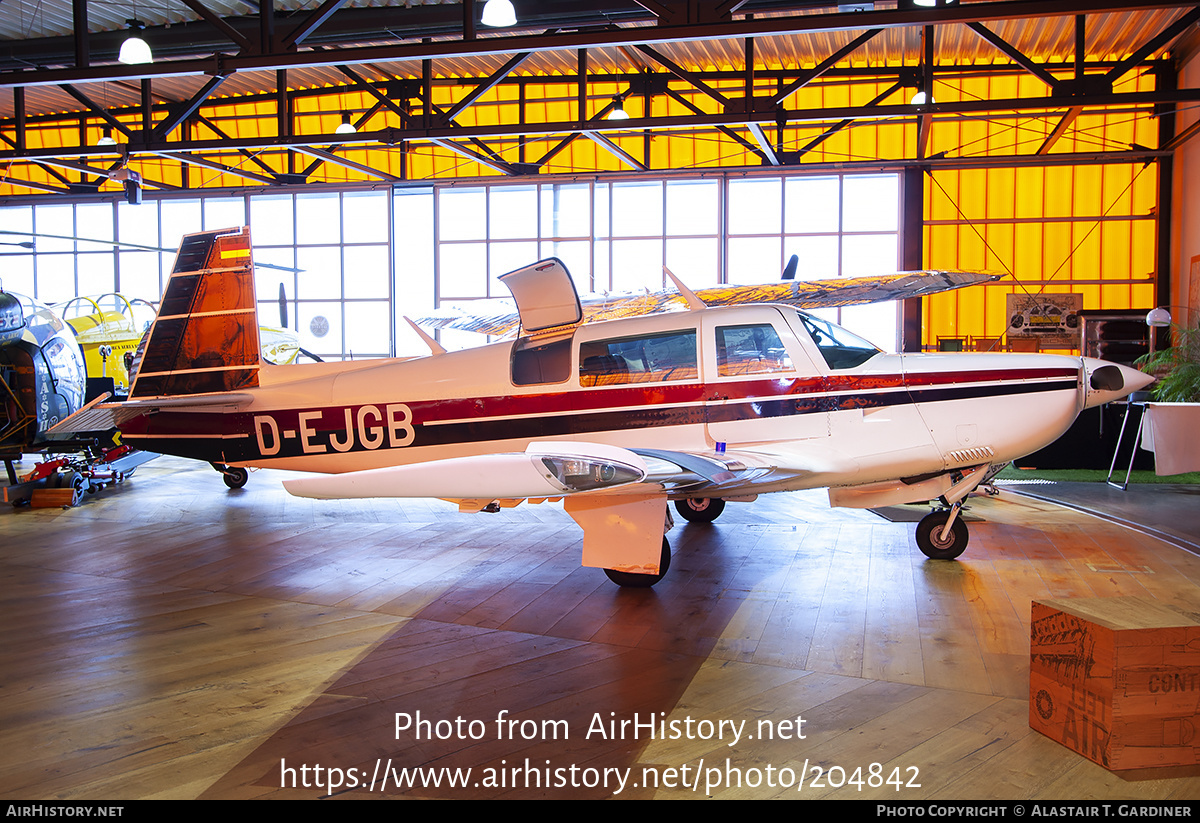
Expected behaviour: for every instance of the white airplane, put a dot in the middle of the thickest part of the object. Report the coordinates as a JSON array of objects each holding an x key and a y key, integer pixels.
[{"x": 698, "y": 406}]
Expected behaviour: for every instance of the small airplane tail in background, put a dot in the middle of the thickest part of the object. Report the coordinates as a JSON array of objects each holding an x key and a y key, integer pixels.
[{"x": 205, "y": 338}]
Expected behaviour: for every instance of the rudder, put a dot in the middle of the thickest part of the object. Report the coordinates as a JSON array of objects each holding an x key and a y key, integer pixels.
[{"x": 205, "y": 337}]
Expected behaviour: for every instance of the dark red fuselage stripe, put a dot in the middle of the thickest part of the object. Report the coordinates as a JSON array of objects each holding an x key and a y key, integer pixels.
[{"x": 579, "y": 412}]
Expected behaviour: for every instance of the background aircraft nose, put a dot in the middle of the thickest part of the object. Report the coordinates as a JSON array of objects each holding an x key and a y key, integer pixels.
[{"x": 1104, "y": 381}]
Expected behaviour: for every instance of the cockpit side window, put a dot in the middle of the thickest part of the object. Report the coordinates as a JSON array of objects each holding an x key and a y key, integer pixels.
[
  {"x": 651, "y": 358},
  {"x": 840, "y": 348},
  {"x": 750, "y": 349}
]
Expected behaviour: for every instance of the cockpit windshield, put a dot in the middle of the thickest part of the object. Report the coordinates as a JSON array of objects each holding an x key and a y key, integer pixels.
[{"x": 840, "y": 348}]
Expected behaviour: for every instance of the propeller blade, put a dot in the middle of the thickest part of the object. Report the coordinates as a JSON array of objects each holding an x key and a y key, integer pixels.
[{"x": 789, "y": 271}]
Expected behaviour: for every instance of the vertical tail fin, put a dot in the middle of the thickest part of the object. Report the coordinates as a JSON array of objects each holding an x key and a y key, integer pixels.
[{"x": 205, "y": 338}]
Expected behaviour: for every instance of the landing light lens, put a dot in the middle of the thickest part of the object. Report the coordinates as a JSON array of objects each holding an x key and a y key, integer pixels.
[{"x": 576, "y": 474}]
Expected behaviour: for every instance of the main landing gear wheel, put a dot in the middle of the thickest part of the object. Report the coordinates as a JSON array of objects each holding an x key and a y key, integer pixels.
[
  {"x": 235, "y": 476},
  {"x": 643, "y": 581},
  {"x": 929, "y": 536},
  {"x": 67, "y": 480},
  {"x": 700, "y": 509}
]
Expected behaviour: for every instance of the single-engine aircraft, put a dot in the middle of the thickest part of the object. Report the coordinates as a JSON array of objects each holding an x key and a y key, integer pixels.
[{"x": 698, "y": 406}]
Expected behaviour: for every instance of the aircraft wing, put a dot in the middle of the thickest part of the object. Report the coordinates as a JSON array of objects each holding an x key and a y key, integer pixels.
[
  {"x": 498, "y": 317},
  {"x": 564, "y": 469},
  {"x": 542, "y": 470}
]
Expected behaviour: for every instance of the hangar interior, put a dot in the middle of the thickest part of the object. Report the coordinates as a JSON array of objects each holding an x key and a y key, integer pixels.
[{"x": 174, "y": 640}]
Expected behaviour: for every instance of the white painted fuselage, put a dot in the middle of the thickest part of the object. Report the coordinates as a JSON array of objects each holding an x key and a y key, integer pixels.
[{"x": 782, "y": 415}]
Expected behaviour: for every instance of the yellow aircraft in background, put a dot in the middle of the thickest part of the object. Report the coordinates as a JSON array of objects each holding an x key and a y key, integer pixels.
[{"x": 110, "y": 326}]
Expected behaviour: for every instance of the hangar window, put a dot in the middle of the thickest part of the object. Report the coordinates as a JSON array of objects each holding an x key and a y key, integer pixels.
[{"x": 651, "y": 358}]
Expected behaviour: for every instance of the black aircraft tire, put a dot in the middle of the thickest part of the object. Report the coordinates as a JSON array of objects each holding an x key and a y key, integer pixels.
[
  {"x": 928, "y": 536},
  {"x": 643, "y": 581},
  {"x": 700, "y": 509},
  {"x": 235, "y": 477}
]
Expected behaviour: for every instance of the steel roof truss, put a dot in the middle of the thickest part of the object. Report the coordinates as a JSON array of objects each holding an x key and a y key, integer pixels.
[
  {"x": 825, "y": 65},
  {"x": 490, "y": 162},
  {"x": 192, "y": 160},
  {"x": 752, "y": 26},
  {"x": 1153, "y": 44},
  {"x": 1060, "y": 129},
  {"x": 310, "y": 24},
  {"x": 725, "y": 130},
  {"x": 1016, "y": 56},
  {"x": 487, "y": 85},
  {"x": 615, "y": 150},
  {"x": 99, "y": 111},
  {"x": 684, "y": 74},
  {"x": 358, "y": 124},
  {"x": 183, "y": 111},
  {"x": 360, "y": 83},
  {"x": 235, "y": 36},
  {"x": 244, "y": 152},
  {"x": 830, "y": 132},
  {"x": 330, "y": 157},
  {"x": 764, "y": 143}
]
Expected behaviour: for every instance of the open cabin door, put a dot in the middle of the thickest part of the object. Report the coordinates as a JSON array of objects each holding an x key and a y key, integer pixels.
[
  {"x": 545, "y": 295},
  {"x": 550, "y": 312}
]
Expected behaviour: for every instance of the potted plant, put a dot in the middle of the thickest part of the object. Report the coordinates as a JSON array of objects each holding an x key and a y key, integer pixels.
[
  {"x": 1170, "y": 423},
  {"x": 1176, "y": 367}
]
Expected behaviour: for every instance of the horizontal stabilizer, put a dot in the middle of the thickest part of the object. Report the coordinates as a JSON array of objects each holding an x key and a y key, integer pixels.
[
  {"x": 99, "y": 416},
  {"x": 542, "y": 470}
]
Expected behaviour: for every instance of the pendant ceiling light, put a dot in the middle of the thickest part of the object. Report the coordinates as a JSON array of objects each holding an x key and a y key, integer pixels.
[
  {"x": 618, "y": 112},
  {"x": 135, "y": 50},
  {"x": 345, "y": 127},
  {"x": 498, "y": 14}
]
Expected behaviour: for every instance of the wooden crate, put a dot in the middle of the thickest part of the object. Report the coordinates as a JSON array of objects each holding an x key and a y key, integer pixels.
[
  {"x": 53, "y": 498},
  {"x": 1117, "y": 679}
]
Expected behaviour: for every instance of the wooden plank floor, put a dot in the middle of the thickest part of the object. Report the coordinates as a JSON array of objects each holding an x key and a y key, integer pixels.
[{"x": 172, "y": 639}]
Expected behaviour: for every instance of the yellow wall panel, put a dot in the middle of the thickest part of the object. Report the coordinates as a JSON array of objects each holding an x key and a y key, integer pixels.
[
  {"x": 1116, "y": 246},
  {"x": 1057, "y": 197},
  {"x": 1001, "y": 193},
  {"x": 1028, "y": 244},
  {"x": 1001, "y": 238},
  {"x": 1142, "y": 296},
  {"x": 1030, "y": 188},
  {"x": 972, "y": 193},
  {"x": 972, "y": 255}
]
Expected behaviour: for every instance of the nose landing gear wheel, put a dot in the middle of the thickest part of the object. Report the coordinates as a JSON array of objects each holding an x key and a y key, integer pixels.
[
  {"x": 643, "y": 581},
  {"x": 700, "y": 509},
  {"x": 929, "y": 536},
  {"x": 234, "y": 476}
]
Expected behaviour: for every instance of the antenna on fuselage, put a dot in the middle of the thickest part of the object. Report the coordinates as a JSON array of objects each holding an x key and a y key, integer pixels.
[
  {"x": 434, "y": 346},
  {"x": 694, "y": 303},
  {"x": 789, "y": 271}
]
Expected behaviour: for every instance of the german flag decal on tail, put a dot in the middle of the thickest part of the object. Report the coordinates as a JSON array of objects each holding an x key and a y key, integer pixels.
[{"x": 205, "y": 338}]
